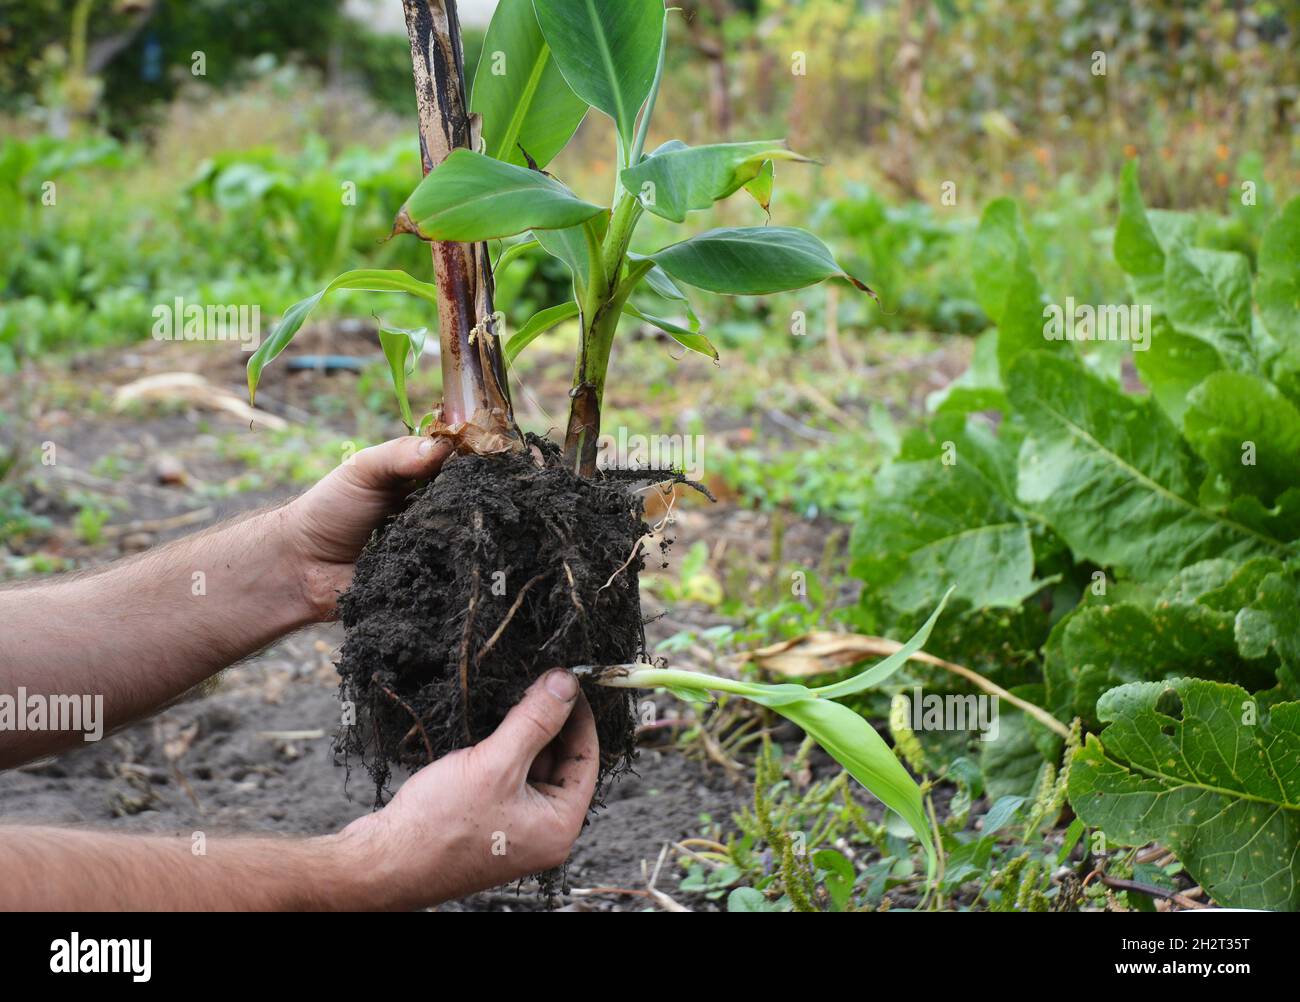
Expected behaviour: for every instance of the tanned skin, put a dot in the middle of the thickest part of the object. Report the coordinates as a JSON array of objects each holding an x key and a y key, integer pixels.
[{"x": 145, "y": 630}]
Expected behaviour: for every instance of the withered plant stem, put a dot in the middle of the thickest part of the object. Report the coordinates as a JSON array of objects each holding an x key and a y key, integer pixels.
[{"x": 474, "y": 386}]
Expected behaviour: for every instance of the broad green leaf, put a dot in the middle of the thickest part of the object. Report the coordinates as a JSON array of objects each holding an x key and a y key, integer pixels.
[
  {"x": 1137, "y": 250},
  {"x": 1100, "y": 646},
  {"x": 1199, "y": 767},
  {"x": 1173, "y": 365},
  {"x": 1007, "y": 287},
  {"x": 608, "y": 52},
  {"x": 402, "y": 349},
  {"x": 1281, "y": 520},
  {"x": 1011, "y": 762},
  {"x": 1278, "y": 289},
  {"x": 673, "y": 182},
  {"x": 470, "y": 197},
  {"x": 944, "y": 521},
  {"x": 1270, "y": 622},
  {"x": 1001, "y": 814},
  {"x": 1207, "y": 295},
  {"x": 366, "y": 280},
  {"x": 979, "y": 388},
  {"x": 838, "y": 875},
  {"x": 669, "y": 146},
  {"x": 538, "y": 325},
  {"x": 747, "y": 899},
  {"x": 684, "y": 336},
  {"x": 1113, "y": 477},
  {"x": 520, "y": 91},
  {"x": 1001, "y": 252},
  {"x": 955, "y": 439},
  {"x": 1248, "y": 433},
  {"x": 1285, "y": 372},
  {"x": 1224, "y": 585},
  {"x": 752, "y": 261}
]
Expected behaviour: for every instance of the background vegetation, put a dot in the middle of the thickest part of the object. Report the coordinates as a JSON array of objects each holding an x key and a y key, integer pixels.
[{"x": 974, "y": 163}]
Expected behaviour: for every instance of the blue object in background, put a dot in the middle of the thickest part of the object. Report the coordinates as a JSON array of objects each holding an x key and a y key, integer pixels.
[
  {"x": 330, "y": 363},
  {"x": 151, "y": 59}
]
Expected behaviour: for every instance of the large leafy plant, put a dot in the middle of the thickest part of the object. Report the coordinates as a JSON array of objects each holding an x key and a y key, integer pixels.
[{"x": 1106, "y": 535}]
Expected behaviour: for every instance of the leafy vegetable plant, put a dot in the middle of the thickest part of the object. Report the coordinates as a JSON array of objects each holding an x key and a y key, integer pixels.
[{"x": 1160, "y": 528}]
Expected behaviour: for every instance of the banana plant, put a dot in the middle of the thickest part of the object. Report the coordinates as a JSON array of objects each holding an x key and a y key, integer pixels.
[{"x": 546, "y": 65}]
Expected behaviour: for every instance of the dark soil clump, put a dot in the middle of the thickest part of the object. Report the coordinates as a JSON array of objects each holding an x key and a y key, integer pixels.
[{"x": 496, "y": 572}]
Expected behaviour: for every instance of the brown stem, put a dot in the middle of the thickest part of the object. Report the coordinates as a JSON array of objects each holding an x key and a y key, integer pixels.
[
  {"x": 474, "y": 387},
  {"x": 1155, "y": 892},
  {"x": 583, "y": 433}
]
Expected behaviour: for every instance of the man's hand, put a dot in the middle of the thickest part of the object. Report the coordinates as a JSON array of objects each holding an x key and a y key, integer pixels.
[
  {"x": 508, "y": 807},
  {"x": 328, "y": 526},
  {"x": 200, "y": 603}
]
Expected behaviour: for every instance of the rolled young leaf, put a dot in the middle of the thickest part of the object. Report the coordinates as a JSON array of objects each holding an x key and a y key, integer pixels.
[
  {"x": 402, "y": 349},
  {"x": 367, "y": 280},
  {"x": 752, "y": 261},
  {"x": 652, "y": 99},
  {"x": 607, "y": 51},
  {"x": 470, "y": 197},
  {"x": 520, "y": 92}
]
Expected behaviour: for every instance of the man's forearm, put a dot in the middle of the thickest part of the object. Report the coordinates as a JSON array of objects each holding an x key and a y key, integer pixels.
[
  {"x": 52, "y": 869},
  {"x": 144, "y": 631}
]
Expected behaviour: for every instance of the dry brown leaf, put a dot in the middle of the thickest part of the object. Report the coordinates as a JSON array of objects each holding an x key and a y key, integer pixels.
[{"x": 820, "y": 653}]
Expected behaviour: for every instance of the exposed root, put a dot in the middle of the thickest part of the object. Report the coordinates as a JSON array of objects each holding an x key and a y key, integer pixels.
[
  {"x": 407, "y": 707},
  {"x": 636, "y": 552},
  {"x": 496, "y": 635},
  {"x": 464, "y": 655}
]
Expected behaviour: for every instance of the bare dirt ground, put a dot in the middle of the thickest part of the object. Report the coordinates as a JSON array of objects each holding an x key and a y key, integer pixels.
[{"x": 249, "y": 752}]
